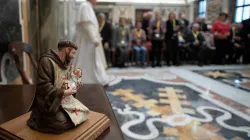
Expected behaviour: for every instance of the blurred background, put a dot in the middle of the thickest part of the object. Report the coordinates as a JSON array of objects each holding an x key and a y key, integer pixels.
[{"x": 40, "y": 24}]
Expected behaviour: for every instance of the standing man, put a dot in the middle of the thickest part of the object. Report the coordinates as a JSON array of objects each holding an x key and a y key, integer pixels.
[
  {"x": 87, "y": 37},
  {"x": 105, "y": 30},
  {"x": 122, "y": 42},
  {"x": 157, "y": 33}
]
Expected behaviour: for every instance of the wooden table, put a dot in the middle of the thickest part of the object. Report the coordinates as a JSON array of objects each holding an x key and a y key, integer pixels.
[{"x": 16, "y": 100}]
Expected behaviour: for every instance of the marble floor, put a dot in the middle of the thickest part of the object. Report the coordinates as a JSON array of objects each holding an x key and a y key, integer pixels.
[{"x": 186, "y": 102}]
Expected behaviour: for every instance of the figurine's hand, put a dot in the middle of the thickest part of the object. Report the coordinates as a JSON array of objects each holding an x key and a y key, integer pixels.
[
  {"x": 79, "y": 85},
  {"x": 69, "y": 91}
]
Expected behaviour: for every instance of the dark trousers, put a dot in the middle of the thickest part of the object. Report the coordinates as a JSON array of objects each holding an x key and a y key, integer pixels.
[
  {"x": 198, "y": 53},
  {"x": 222, "y": 48},
  {"x": 172, "y": 51},
  {"x": 107, "y": 55},
  {"x": 156, "y": 51},
  {"x": 234, "y": 53},
  {"x": 182, "y": 53},
  {"x": 122, "y": 55},
  {"x": 208, "y": 55},
  {"x": 246, "y": 55}
]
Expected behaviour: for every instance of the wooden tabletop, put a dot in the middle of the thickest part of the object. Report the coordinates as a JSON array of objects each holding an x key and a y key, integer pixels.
[
  {"x": 16, "y": 100},
  {"x": 94, "y": 97}
]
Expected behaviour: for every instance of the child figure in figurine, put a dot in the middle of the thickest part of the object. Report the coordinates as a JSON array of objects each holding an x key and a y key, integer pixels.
[{"x": 75, "y": 109}]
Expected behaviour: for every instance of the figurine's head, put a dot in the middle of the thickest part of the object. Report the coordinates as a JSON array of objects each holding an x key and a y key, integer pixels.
[
  {"x": 78, "y": 73},
  {"x": 68, "y": 49}
]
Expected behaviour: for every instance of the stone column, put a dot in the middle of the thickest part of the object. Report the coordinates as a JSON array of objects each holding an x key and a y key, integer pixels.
[
  {"x": 191, "y": 12},
  {"x": 225, "y": 6}
]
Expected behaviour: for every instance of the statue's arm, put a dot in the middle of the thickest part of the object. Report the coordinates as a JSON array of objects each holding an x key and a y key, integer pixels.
[{"x": 46, "y": 88}]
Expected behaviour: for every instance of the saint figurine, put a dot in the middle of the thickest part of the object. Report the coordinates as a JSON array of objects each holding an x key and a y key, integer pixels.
[{"x": 55, "y": 110}]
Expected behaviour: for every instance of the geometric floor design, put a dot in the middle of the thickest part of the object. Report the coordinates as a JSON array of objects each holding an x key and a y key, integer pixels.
[
  {"x": 153, "y": 107},
  {"x": 237, "y": 78}
]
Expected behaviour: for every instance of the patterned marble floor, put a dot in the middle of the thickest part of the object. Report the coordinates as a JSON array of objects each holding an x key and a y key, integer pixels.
[
  {"x": 179, "y": 103},
  {"x": 239, "y": 78}
]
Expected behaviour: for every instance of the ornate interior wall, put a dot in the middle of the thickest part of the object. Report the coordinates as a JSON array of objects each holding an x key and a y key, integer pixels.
[{"x": 123, "y": 11}]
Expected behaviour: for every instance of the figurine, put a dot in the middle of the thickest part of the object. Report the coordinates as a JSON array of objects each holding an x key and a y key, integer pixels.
[{"x": 55, "y": 109}]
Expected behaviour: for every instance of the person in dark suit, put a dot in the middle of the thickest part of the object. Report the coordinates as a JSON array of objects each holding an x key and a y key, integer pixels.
[
  {"x": 105, "y": 30},
  {"x": 173, "y": 27},
  {"x": 196, "y": 41},
  {"x": 246, "y": 39},
  {"x": 157, "y": 34},
  {"x": 236, "y": 50}
]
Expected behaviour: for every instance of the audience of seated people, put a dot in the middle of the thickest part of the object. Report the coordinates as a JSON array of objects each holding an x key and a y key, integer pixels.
[{"x": 176, "y": 40}]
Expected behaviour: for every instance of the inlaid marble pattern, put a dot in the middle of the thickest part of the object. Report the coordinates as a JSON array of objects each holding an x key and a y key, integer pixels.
[
  {"x": 147, "y": 108},
  {"x": 236, "y": 78},
  {"x": 164, "y": 104}
]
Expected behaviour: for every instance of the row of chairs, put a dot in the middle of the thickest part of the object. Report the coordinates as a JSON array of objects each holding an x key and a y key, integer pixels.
[{"x": 148, "y": 46}]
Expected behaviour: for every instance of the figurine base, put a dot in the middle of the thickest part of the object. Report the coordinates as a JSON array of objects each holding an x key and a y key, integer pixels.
[{"x": 88, "y": 130}]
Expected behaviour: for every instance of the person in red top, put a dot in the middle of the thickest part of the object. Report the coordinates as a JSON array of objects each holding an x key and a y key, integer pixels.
[{"x": 221, "y": 31}]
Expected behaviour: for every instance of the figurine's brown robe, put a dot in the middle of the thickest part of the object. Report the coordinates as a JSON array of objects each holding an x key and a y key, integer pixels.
[{"x": 47, "y": 114}]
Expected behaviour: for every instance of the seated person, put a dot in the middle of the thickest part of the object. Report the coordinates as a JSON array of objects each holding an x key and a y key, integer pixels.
[
  {"x": 196, "y": 40},
  {"x": 236, "y": 50},
  {"x": 139, "y": 38},
  {"x": 209, "y": 47},
  {"x": 49, "y": 113},
  {"x": 122, "y": 42}
]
